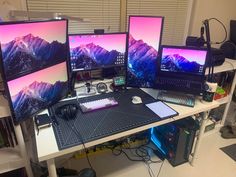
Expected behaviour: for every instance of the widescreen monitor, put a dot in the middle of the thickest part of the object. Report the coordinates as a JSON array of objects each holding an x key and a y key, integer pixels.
[
  {"x": 34, "y": 59},
  {"x": 183, "y": 60},
  {"x": 96, "y": 51},
  {"x": 145, "y": 34}
]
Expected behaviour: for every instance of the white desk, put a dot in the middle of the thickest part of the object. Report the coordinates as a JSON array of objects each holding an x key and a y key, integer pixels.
[{"x": 47, "y": 146}]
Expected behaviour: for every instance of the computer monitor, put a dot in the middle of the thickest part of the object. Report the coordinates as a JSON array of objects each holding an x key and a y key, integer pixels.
[
  {"x": 34, "y": 59},
  {"x": 97, "y": 51},
  {"x": 177, "y": 60},
  {"x": 145, "y": 34},
  {"x": 182, "y": 69}
]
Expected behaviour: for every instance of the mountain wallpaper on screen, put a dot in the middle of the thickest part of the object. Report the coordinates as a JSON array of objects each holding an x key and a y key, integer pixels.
[
  {"x": 178, "y": 63},
  {"x": 142, "y": 66},
  {"x": 34, "y": 97},
  {"x": 92, "y": 56},
  {"x": 28, "y": 52}
]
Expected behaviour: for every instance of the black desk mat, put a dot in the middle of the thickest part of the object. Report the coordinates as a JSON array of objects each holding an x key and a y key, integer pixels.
[{"x": 104, "y": 122}]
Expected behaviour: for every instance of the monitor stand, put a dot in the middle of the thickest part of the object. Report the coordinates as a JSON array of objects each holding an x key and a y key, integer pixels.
[
  {"x": 86, "y": 89},
  {"x": 72, "y": 92}
]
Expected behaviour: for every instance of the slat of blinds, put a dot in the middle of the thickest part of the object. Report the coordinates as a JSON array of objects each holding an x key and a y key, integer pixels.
[
  {"x": 104, "y": 14},
  {"x": 174, "y": 11}
]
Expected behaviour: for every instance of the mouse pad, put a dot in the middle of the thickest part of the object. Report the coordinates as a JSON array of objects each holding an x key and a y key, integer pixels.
[{"x": 101, "y": 123}]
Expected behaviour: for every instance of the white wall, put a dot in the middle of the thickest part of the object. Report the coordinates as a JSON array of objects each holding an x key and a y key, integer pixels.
[
  {"x": 7, "y": 5},
  {"x": 224, "y": 10}
]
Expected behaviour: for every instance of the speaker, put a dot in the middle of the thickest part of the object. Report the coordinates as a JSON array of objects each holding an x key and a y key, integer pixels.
[
  {"x": 194, "y": 41},
  {"x": 99, "y": 31},
  {"x": 218, "y": 57},
  {"x": 233, "y": 31},
  {"x": 229, "y": 49}
]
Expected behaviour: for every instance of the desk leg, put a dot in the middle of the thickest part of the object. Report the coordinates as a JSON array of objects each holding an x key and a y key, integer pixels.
[
  {"x": 199, "y": 138},
  {"x": 51, "y": 168}
]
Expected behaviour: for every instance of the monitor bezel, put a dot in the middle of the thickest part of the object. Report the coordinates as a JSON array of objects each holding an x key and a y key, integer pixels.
[
  {"x": 160, "y": 41},
  {"x": 103, "y": 67},
  {"x": 5, "y": 81},
  {"x": 186, "y": 75},
  {"x": 29, "y": 22}
]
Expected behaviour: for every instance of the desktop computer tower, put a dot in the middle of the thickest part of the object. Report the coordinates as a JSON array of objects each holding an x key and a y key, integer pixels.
[{"x": 174, "y": 141}]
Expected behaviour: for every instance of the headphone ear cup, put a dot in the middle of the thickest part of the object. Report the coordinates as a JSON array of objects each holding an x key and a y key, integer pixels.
[
  {"x": 67, "y": 112},
  {"x": 73, "y": 111}
]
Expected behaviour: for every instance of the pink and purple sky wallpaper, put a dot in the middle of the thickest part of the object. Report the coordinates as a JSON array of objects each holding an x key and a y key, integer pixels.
[
  {"x": 48, "y": 31},
  {"x": 107, "y": 41},
  {"x": 146, "y": 28},
  {"x": 198, "y": 56},
  {"x": 48, "y": 75}
]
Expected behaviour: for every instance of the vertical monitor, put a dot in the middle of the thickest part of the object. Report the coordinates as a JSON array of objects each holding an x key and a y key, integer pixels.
[
  {"x": 145, "y": 35},
  {"x": 183, "y": 60},
  {"x": 34, "y": 63},
  {"x": 95, "y": 51}
]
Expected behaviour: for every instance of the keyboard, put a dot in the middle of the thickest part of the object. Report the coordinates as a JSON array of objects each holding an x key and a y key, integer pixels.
[
  {"x": 176, "y": 98},
  {"x": 98, "y": 104},
  {"x": 180, "y": 84},
  {"x": 173, "y": 82}
]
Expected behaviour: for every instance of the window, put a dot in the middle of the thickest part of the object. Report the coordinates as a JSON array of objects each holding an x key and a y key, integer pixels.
[
  {"x": 109, "y": 14},
  {"x": 104, "y": 14},
  {"x": 176, "y": 13}
]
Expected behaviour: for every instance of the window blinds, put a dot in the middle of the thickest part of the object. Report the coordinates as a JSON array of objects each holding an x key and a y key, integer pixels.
[
  {"x": 104, "y": 14},
  {"x": 176, "y": 16}
]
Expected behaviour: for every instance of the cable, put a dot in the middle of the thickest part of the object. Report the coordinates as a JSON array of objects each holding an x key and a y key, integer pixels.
[
  {"x": 208, "y": 42},
  {"x": 141, "y": 153},
  {"x": 230, "y": 64},
  {"x": 150, "y": 171},
  {"x": 224, "y": 30},
  {"x": 160, "y": 169},
  {"x": 81, "y": 139}
]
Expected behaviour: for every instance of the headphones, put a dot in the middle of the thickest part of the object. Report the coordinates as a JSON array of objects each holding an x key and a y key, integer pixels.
[{"x": 67, "y": 111}]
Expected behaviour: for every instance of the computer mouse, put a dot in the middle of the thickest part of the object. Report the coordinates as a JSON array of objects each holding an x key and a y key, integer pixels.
[{"x": 136, "y": 100}]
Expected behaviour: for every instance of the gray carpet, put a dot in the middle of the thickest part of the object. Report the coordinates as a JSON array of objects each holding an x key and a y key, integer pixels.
[{"x": 230, "y": 151}]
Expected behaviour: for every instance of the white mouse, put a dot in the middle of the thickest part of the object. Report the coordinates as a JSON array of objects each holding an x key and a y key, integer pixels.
[{"x": 136, "y": 100}]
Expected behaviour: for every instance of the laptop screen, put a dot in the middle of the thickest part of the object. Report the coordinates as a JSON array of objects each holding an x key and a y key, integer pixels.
[{"x": 183, "y": 60}]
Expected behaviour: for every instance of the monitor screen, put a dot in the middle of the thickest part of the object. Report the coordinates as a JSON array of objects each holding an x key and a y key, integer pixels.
[
  {"x": 94, "y": 51},
  {"x": 183, "y": 60},
  {"x": 31, "y": 46},
  {"x": 33, "y": 92},
  {"x": 34, "y": 64},
  {"x": 144, "y": 40}
]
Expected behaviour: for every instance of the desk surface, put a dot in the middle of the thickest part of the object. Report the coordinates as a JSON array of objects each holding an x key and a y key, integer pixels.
[{"x": 47, "y": 146}]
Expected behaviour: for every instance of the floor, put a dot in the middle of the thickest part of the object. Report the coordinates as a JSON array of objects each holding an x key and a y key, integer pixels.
[{"x": 211, "y": 162}]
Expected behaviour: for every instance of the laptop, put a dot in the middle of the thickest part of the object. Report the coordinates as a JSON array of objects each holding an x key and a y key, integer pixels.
[{"x": 182, "y": 68}]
